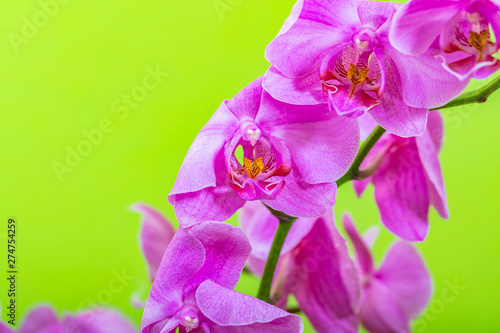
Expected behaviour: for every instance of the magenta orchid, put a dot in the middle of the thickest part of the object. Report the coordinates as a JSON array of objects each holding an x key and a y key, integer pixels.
[
  {"x": 397, "y": 291},
  {"x": 43, "y": 319},
  {"x": 346, "y": 60},
  {"x": 156, "y": 233},
  {"x": 462, "y": 27},
  {"x": 193, "y": 289},
  {"x": 292, "y": 156},
  {"x": 315, "y": 267},
  {"x": 407, "y": 180}
]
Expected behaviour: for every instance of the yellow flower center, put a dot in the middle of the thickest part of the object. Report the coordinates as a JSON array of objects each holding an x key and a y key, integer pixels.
[{"x": 253, "y": 167}]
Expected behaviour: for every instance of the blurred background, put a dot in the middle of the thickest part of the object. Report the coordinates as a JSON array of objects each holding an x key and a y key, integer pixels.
[{"x": 147, "y": 76}]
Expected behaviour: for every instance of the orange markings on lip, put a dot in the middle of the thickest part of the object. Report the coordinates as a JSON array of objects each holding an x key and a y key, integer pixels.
[{"x": 253, "y": 167}]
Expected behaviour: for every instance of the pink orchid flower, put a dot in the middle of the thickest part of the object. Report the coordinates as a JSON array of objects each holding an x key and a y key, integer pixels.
[
  {"x": 462, "y": 28},
  {"x": 193, "y": 290},
  {"x": 155, "y": 236},
  {"x": 43, "y": 319},
  {"x": 397, "y": 291},
  {"x": 292, "y": 156},
  {"x": 338, "y": 52},
  {"x": 314, "y": 266},
  {"x": 407, "y": 180}
]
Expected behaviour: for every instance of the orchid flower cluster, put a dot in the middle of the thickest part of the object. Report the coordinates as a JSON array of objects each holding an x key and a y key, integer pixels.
[{"x": 341, "y": 72}]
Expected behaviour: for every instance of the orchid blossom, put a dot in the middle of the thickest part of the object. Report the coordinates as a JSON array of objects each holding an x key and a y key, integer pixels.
[
  {"x": 338, "y": 52},
  {"x": 193, "y": 289},
  {"x": 407, "y": 179},
  {"x": 462, "y": 29},
  {"x": 292, "y": 156},
  {"x": 396, "y": 292}
]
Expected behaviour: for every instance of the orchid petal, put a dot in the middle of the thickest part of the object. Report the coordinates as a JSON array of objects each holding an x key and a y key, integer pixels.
[
  {"x": 326, "y": 284},
  {"x": 404, "y": 273},
  {"x": 307, "y": 90},
  {"x": 393, "y": 113},
  {"x": 424, "y": 82},
  {"x": 260, "y": 227},
  {"x": 166, "y": 296},
  {"x": 378, "y": 311},
  {"x": 98, "y": 321},
  {"x": 419, "y": 22},
  {"x": 429, "y": 157},
  {"x": 236, "y": 312},
  {"x": 156, "y": 234},
  {"x": 401, "y": 194},
  {"x": 363, "y": 256},
  {"x": 39, "y": 319}
]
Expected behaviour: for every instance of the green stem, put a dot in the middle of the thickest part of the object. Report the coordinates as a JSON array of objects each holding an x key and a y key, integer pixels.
[
  {"x": 353, "y": 172},
  {"x": 480, "y": 95},
  {"x": 476, "y": 96},
  {"x": 284, "y": 225}
]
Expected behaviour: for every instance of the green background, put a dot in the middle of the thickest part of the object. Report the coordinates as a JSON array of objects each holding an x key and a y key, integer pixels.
[{"x": 75, "y": 230}]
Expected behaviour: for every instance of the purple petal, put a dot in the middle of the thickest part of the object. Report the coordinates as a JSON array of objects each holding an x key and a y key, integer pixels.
[
  {"x": 421, "y": 90},
  {"x": 429, "y": 158},
  {"x": 156, "y": 234},
  {"x": 419, "y": 22},
  {"x": 401, "y": 192},
  {"x": 216, "y": 203},
  {"x": 226, "y": 251},
  {"x": 435, "y": 127},
  {"x": 407, "y": 279},
  {"x": 166, "y": 296},
  {"x": 197, "y": 171},
  {"x": 246, "y": 103},
  {"x": 393, "y": 113},
  {"x": 379, "y": 313},
  {"x": 366, "y": 126},
  {"x": 40, "y": 319},
  {"x": 98, "y": 321},
  {"x": 302, "y": 199},
  {"x": 295, "y": 52},
  {"x": 374, "y": 14},
  {"x": 363, "y": 256},
  {"x": 235, "y": 312},
  {"x": 294, "y": 15},
  {"x": 325, "y": 281},
  {"x": 322, "y": 148},
  {"x": 307, "y": 90},
  {"x": 260, "y": 227}
]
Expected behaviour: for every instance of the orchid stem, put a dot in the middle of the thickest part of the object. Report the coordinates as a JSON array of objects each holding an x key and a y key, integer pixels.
[
  {"x": 354, "y": 172},
  {"x": 480, "y": 95},
  {"x": 284, "y": 225}
]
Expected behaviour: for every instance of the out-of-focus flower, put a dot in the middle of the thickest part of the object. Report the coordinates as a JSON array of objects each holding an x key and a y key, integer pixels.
[
  {"x": 43, "y": 319},
  {"x": 462, "y": 27},
  {"x": 396, "y": 292},
  {"x": 155, "y": 235},
  {"x": 407, "y": 180},
  {"x": 292, "y": 156},
  {"x": 314, "y": 266},
  {"x": 338, "y": 52},
  {"x": 193, "y": 289}
]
